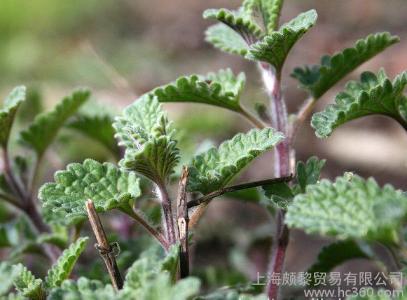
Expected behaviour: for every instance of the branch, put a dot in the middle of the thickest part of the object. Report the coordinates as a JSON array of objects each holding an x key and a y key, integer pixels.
[
  {"x": 183, "y": 219},
  {"x": 238, "y": 187},
  {"x": 11, "y": 201},
  {"x": 167, "y": 212},
  {"x": 105, "y": 249}
]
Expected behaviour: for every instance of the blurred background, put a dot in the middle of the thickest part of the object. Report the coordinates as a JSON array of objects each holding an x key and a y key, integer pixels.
[{"x": 123, "y": 48}]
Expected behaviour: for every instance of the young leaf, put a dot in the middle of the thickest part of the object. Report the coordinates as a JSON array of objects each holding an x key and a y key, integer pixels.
[
  {"x": 274, "y": 48},
  {"x": 334, "y": 255},
  {"x": 97, "y": 127},
  {"x": 213, "y": 169},
  {"x": 65, "y": 263},
  {"x": 108, "y": 187},
  {"x": 226, "y": 39},
  {"x": 237, "y": 20},
  {"x": 40, "y": 134},
  {"x": 318, "y": 79},
  {"x": 26, "y": 284},
  {"x": 309, "y": 172},
  {"x": 220, "y": 89},
  {"x": 268, "y": 9},
  {"x": 8, "y": 112},
  {"x": 147, "y": 134},
  {"x": 83, "y": 289},
  {"x": 372, "y": 95},
  {"x": 349, "y": 208}
]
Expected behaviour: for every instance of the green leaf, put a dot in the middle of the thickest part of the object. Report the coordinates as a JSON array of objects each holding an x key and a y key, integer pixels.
[
  {"x": 83, "y": 289},
  {"x": 226, "y": 39},
  {"x": 279, "y": 193},
  {"x": 220, "y": 89},
  {"x": 268, "y": 9},
  {"x": 237, "y": 20},
  {"x": 40, "y": 134},
  {"x": 334, "y": 255},
  {"x": 318, "y": 79},
  {"x": 65, "y": 263},
  {"x": 26, "y": 284},
  {"x": 350, "y": 207},
  {"x": 309, "y": 172},
  {"x": 7, "y": 275},
  {"x": 215, "y": 168},
  {"x": 274, "y": 48},
  {"x": 108, "y": 187},
  {"x": 8, "y": 112},
  {"x": 145, "y": 131},
  {"x": 97, "y": 127},
  {"x": 372, "y": 95}
]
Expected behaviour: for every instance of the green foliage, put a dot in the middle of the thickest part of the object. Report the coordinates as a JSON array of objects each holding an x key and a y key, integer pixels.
[
  {"x": 7, "y": 274},
  {"x": 97, "y": 127},
  {"x": 8, "y": 112},
  {"x": 65, "y": 263},
  {"x": 350, "y": 207},
  {"x": 282, "y": 194},
  {"x": 215, "y": 168},
  {"x": 108, "y": 187},
  {"x": 40, "y": 134},
  {"x": 148, "y": 137},
  {"x": 318, "y": 79},
  {"x": 221, "y": 89},
  {"x": 334, "y": 255},
  {"x": 27, "y": 285},
  {"x": 374, "y": 94},
  {"x": 274, "y": 48},
  {"x": 268, "y": 9},
  {"x": 226, "y": 39}
]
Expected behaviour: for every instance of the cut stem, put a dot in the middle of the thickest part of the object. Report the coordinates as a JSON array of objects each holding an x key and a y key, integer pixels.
[
  {"x": 237, "y": 187},
  {"x": 105, "y": 249},
  {"x": 183, "y": 220}
]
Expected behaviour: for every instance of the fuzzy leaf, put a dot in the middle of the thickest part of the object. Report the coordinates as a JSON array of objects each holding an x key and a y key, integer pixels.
[
  {"x": 97, "y": 127},
  {"x": 7, "y": 275},
  {"x": 274, "y": 48},
  {"x": 83, "y": 289},
  {"x": 220, "y": 89},
  {"x": 372, "y": 95},
  {"x": 108, "y": 187},
  {"x": 350, "y": 207},
  {"x": 318, "y": 79},
  {"x": 334, "y": 255},
  {"x": 26, "y": 284},
  {"x": 65, "y": 263},
  {"x": 226, "y": 39},
  {"x": 237, "y": 20},
  {"x": 309, "y": 172},
  {"x": 268, "y": 9},
  {"x": 145, "y": 131},
  {"x": 214, "y": 168},
  {"x": 40, "y": 134},
  {"x": 8, "y": 112}
]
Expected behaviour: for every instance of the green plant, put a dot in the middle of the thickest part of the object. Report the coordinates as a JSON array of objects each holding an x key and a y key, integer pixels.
[{"x": 357, "y": 212}]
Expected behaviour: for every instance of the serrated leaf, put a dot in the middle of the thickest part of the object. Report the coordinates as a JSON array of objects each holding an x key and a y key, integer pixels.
[
  {"x": 84, "y": 288},
  {"x": 41, "y": 133},
  {"x": 8, "y": 112},
  {"x": 236, "y": 20},
  {"x": 226, "y": 39},
  {"x": 220, "y": 89},
  {"x": 350, "y": 207},
  {"x": 214, "y": 168},
  {"x": 374, "y": 94},
  {"x": 309, "y": 172},
  {"x": 268, "y": 9},
  {"x": 151, "y": 148},
  {"x": 318, "y": 79},
  {"x": 98, "y": 128},
  {"x": 334, "y": 255},
  {"x": 106, "y": 185},
  {"x": 26, "y": 284},
  {"x": 274, "y": 48},
  {"x": 65, "y": 263},
  {"x": 280, "y": 194}
]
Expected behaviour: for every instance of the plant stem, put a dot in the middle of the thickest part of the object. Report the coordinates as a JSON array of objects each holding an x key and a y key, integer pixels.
[
  {"x": 105, "y": 249},
  {"x": 237, "y": 187},
  {"x": 167, "y": 212},
  {"x": 302, "y": 115},
  {"x": 15, "y": 186},
  {"x": 282, "y": 167},
  {"x": 12, "y": 201},
  {"x": 252, "y": 119},
  {"x": 158, "y": 235},
  {"x": 183, "y": 219}
]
